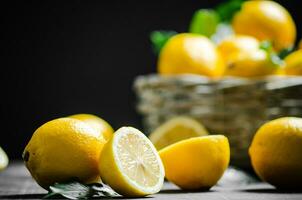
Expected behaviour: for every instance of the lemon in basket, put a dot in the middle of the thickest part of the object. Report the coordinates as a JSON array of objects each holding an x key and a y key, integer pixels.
[
  {"x": 62, "y": 150},
  {"x": 276, "y": 152},
  {"x": 130, "y": 164},
  {"x": 3, "y": 159},
  {"x": 237, "y": 44},
  {"x": 97, "y": 123},
  {"x": 293, "y": 64},
  {"x": 196, "y": 163},
  {"x": 190, "y": 53},
  {"x": 245, "y": 58},
  {"x": 176, "y": 129},
  {"x": 266, "y": 20}
]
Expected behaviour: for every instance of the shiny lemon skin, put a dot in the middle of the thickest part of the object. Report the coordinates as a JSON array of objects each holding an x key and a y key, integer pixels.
[
  {"x": 190, "y": 53},
  {"x": 63, "y": 149},
  {"x": 196, "y": 163},
  {"x": 276, "y": 152},
  {"x": 97, "y": 123},
  {"x": 266, "y": 20},
  {"x": 293, "y": 63}
]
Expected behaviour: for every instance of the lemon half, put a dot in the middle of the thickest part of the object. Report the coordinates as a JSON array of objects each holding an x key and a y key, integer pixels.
[
  {"x": 3, "y": 159},
  {"x": 130, "y": 164},
  {"x": 176, "y": 129},
  {"x": 196, "y": 163}
]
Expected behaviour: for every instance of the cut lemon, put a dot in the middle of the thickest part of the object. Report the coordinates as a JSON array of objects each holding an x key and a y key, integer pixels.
[
  {"x": 3, "y": 159},
  {"x": 130, "y": 164},
  {"x": 196, "y": 163},
  {"x": 176, "y": 129}
]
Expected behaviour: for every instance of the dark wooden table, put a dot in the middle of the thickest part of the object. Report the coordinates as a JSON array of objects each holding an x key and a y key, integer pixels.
[{"x": 16, "y": 183}]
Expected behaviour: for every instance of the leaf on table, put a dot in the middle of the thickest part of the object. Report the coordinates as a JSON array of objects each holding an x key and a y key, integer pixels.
[{"x": 76, "y": 190}]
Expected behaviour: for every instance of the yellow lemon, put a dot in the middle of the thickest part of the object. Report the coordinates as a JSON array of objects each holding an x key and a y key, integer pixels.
[
  {"x": 293, "y": 63},
  {"x": 64, "y": 149},
  {"x": 176, "y": 129},
  {"x": 130, "y": 164},
  {"x": 196, "y": 163},
  {"x": 97, "y": 123},
  {"x": 251, "y": 64},
  {"x": 266, "y": 20},
  {"x": 276, "y": 152},
  {"x": 237, "y": 44},
  {"x": 190, "y": 53},
  {"x": 3, "y": 159}
]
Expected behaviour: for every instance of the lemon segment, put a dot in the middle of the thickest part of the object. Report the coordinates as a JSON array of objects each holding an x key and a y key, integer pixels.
[
  {"x": 130, "y": 164},
  {"x": 3, "y": 159},
  {"x": 103, "y": 127},
  {"x": 176, "y": 129},
  {"x": 276, "y": 152},
  {"x": 196, "y": 163}
]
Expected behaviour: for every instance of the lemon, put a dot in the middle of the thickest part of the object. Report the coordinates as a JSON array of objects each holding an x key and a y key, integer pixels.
[
  {"x": 276, "y": 152},
  {"x": 130, "y": 164},
  {"x": 64, "y": 149},
  {"x": 190, "y": 53},
  {"x": 266, "y": 20},
  {"x": 3, "y": 159},
  {"x": 196, "y": 163},
  {"x": 256, "y": 63},
  {"x": 97, "y": 123},
  {"x": 293, "y": 64},
  {"x": 237, "y": 44},
  {"x": 176, "y": 129}
]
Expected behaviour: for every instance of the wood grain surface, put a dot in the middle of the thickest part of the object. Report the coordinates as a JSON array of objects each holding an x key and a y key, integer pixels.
[{"x": 16, "y": 183}]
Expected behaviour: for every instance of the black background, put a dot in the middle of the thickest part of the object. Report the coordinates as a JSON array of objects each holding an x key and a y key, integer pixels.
[{"x": 62, "y": 58}]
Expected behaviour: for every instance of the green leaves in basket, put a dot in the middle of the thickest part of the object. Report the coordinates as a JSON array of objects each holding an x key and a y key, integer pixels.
[
  {"x": 159, "y": 39},
  {"x": 204, "y": 22},
  {"x": 228, "y": 9},
  {"x": 76, "y": 190},
  {"x": 274, "y": 58}
]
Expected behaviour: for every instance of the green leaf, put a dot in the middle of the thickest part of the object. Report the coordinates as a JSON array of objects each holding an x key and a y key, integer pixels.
[
  {"x": 285, "y": 52},
  {"x": 76, "y": 190},
  {"x": 204, "y": 22},
  {"x": 227, "y": 10},
  {"x": 159, "y": 39}
]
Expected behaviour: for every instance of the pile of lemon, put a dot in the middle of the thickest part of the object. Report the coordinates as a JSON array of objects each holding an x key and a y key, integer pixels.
[
  {"x": 85, "y": 148},
  {"x": 241, "y": 53}
]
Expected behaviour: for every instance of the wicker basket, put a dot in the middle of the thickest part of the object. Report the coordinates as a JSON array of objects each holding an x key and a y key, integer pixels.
[{"x": 233, "y": 107}]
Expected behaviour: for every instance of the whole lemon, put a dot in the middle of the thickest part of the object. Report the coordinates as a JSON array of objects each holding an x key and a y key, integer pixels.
[
  {"x": 233, "y": 45},
  {"x": 276, "y": 152},
  {"x": 293, "y": 63},
  {"x": 256, "y": 63},
  {"x": 97, "y": 123},
  {"x": 266, "y": 20},
  {"x": 190, "y": 53},
  {"x": 63, "y": 149}
]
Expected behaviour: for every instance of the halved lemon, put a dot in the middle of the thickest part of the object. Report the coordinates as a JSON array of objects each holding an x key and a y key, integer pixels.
[
  {"x": 196, "y": 163},
  {"x": 3, "y": 159},
  {"x": 130, "y": 164},
  {"x": 176, "y": 129}
]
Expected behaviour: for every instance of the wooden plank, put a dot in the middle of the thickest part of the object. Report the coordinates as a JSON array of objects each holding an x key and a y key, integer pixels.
[{"x": 16, "y": 183}]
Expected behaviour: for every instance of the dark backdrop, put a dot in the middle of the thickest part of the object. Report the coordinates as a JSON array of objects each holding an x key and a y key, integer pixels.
[{"x": 81, "y": 57}]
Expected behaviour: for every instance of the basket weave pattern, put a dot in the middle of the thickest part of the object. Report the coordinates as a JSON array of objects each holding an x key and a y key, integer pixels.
[{"x": 233, "y": 107}]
